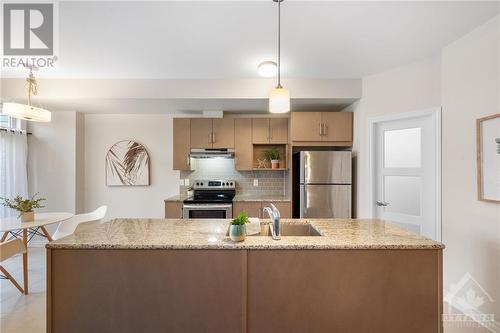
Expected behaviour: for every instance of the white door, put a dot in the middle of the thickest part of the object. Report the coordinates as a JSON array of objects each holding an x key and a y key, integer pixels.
[{"x": 405, "y": 173}]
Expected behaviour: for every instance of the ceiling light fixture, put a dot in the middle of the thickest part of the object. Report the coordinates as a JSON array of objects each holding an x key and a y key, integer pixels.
[
  {"x": 27, "y": 112},
  {"x": 267, "y": 69},
  {"x": 279, "y": 98}
]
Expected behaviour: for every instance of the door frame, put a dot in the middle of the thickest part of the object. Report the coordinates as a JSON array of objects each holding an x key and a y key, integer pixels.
[{"x": 435, "y": 114}]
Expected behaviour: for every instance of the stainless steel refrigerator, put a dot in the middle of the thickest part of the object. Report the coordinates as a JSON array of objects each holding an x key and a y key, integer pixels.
[{"x": 322, "y": 187}]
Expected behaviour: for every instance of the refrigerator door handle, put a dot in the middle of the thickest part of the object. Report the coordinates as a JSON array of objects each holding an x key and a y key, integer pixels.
[{"x": 303, "y": 200}]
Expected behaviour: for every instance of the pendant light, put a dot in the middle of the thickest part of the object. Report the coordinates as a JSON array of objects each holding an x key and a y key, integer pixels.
[
  {"x": 27, "y": 112},
  {"x": 279, "y": 98}
]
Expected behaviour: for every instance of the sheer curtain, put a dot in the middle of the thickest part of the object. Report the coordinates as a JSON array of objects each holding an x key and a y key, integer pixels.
[{"x": 13, "y": 167}]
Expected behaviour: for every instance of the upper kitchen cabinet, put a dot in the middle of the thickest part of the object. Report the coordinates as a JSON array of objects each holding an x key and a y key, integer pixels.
[
  {"x": 337, "y": 126},
  {"x": 243, "y": 147},
  {"x": 270, "y": 130},
  {"x": 212, "y": 133},
  {"x": 321, "y": 128},
  {"x": 182, "y": 144},
  {"x": 223, "y": 133},
  {"x": 201, "y": 133},
  {"x": 306, "y": 126}
]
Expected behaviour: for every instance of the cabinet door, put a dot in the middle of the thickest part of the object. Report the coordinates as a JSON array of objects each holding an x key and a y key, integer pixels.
[
  {"x": 182, "y": 145},
  {"x": 337, "y": 126},
  {"x": 260, "y": 130},
  {"x": 285, "y": 208},
  {"x": 173, "y": 209},
  {"x": 243, "y": 148},
  {"x": 201, "y": 133},
  {"x": 306, "y": 126},
  {"x": 253, "y": 209},
  {"x": 223, "y": 133},
  {"x": 278, "y": 130}
]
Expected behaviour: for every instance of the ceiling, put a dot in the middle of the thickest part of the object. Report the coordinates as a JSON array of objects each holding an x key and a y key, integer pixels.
[{"x": 227, "y": 39}]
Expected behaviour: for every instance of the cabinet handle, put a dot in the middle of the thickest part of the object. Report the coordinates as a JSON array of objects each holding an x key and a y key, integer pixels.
[
  {"x": 188, "y": 160},
  {"x": 325, "y": 130},
  {"x": 210, "y": 138},
  {"x": 320, "y": 129},
  {"x": 270, "y": 132},
  {"x": 213, "y": 137}
]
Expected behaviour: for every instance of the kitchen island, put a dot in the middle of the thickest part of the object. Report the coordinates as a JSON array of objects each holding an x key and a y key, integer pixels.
[{"x": 153, "y": 275}]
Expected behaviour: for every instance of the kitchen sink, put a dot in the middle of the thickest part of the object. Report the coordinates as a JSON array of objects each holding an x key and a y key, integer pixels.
[{"x": 289, "y": 229}]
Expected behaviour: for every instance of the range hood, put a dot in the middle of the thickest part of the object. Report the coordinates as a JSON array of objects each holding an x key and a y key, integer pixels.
[{"x": 212, "y": 153}]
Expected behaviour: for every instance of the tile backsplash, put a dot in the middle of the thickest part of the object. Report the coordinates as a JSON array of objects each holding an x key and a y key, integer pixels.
[{"x": 270, "y": 182}]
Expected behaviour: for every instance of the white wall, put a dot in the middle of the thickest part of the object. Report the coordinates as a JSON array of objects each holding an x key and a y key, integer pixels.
[
  {"x": 52, "y": 161},
  {"x": 412, "y": 87},
  {"x": 464, "y": 79},
  {"x": 155, "y": 132},
  {"x": 470, "y": 90}
]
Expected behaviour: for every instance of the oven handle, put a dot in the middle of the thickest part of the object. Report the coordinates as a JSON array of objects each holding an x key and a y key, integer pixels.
[{"x": 207, "y": 206}]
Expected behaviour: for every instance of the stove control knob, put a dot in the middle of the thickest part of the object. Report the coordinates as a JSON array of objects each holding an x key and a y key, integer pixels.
[{"x": 197, "y": 184}]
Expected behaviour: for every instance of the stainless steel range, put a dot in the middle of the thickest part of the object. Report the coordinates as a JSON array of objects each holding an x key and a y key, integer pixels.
[{"x": 212, "y": 199}]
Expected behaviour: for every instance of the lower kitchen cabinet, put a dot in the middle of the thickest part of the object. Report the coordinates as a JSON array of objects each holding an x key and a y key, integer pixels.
[
  {"x": 254, "y": 208},
  {"x": 173, "y": 209}
]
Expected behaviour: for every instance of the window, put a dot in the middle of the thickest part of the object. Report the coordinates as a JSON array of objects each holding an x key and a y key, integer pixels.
[{"x": 9, "y": 122}]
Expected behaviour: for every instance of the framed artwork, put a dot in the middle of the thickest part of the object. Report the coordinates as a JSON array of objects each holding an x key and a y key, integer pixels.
[
  {"x": 488, "y": 158},
  {"x": 127, "y": 164}
]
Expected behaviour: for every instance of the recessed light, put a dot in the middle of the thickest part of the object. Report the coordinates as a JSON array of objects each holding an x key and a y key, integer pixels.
[{"x": 267, "y": 69}]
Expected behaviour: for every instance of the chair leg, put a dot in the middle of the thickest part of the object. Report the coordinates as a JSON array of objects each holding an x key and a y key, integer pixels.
[{"x": 11, "y": 278}]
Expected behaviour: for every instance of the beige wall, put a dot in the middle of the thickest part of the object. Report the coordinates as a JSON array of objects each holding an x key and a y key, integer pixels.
[
  {"x": 464, "y": 79},
  {"x": 153, "y": 131}
]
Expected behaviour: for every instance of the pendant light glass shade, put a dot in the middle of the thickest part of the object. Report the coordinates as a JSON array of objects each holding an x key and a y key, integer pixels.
[
  {"x": 26, "y": 112},
  {"x": 279, "y": 100}
]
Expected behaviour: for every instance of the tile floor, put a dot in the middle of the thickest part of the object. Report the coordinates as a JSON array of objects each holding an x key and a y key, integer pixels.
[{"x": 26, "y": 314}]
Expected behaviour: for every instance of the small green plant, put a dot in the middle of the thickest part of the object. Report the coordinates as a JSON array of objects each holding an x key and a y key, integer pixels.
[
  {"x": 272, "y": 154},
  {"x": 22, "y": 205},
  {"x": 241, "y": 219}
]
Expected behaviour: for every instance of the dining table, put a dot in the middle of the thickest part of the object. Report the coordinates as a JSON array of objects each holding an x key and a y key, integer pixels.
[{"x": 13, "y": 227}]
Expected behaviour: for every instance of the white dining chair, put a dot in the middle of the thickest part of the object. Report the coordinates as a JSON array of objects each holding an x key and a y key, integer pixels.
[
  {"x": 68, "y": 227},
  {"x": 7, "y": 250}
]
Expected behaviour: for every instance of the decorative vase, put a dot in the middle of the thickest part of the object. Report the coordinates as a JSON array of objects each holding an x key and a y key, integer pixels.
[
  {"x": 237, "y": 233},
  {"x": 275, "y": 164},
  {"x": 28, "y": 217}
]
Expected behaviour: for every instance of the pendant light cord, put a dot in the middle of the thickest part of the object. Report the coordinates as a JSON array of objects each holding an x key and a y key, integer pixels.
[
  {"x": 32, "y": 86},
  {"x": 279, "y": 44}
]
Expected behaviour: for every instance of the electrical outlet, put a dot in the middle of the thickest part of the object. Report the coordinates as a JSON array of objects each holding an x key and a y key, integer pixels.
[
  {"x": 186, "y": 181},
  {"x": 255, "y": 182},
  {"x": 181, "y": 182}
]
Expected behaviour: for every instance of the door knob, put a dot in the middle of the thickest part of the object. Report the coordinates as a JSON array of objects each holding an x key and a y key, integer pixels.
[{"x": 382, "y": 204}]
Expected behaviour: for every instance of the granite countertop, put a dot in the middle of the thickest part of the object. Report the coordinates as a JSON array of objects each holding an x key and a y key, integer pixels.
[
  {"x": 241, "y": 198},
  {"x": 211, "y": 234}
]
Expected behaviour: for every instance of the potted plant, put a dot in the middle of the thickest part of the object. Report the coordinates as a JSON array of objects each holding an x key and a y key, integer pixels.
[
  {"x": 273, "y": 155},
  {"x": 190, "y": 191},
  {"x": 237, "y": 229},
  {"x": 23, "y": 206}
]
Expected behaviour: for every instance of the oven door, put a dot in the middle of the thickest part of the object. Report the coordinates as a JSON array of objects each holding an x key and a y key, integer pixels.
[{"x": 207, "y": 211}]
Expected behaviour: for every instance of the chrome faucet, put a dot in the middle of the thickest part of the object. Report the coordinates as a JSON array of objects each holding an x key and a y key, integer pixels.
[{"x": 274, "y": 215}]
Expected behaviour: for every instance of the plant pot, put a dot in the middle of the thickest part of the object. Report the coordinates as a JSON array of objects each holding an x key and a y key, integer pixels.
[
  {"x": 275, "y": 164},
  {"x": 28, "y": 217},
  {"x": 237, "y": 233},
  {"x": 190, "y": 193}
]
